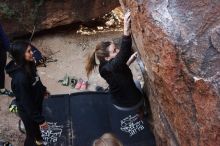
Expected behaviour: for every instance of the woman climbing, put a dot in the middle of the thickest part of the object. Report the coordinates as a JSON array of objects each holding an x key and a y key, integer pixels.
[
  {"x": 29, "y": 91},
  {"x": 113, "y": 67}
]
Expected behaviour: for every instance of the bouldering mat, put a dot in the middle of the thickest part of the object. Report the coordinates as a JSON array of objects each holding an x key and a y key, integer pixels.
[
  {"x": 56, "y": 111},
  {"x": 80, "y": 118}
]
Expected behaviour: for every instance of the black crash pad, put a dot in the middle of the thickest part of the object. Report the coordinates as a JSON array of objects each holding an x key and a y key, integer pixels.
[{"x": 80, "y": 118}]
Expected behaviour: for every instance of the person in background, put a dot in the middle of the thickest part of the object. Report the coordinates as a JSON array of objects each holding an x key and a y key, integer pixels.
[
  {"x": 29, "y": 91},
  {"x": 4, "y": 46},
  {"x": 107, "y": 139}
]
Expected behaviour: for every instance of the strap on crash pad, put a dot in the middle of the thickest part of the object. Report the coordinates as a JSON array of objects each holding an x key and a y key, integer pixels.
[{"x": 141, "y": 103}]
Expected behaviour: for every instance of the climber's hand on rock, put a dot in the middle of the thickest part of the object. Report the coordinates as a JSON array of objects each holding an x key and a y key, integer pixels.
[{"x": 127, "y": 23}]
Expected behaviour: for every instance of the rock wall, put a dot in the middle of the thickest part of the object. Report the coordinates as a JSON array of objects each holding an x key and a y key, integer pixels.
[
  {"x": 20, "y": 17},
  {"x": 179, "y": 43}
]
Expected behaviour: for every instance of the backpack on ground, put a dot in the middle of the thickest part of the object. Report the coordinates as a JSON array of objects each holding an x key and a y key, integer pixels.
[{"x": 39, "y": 59}]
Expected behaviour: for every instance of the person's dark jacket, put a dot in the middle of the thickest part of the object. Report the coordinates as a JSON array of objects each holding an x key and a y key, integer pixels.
[
  {"x": 4, "y": 41},
  {"x": 29, "y": 92},
  {"x": 119, "y": 76},
  {"x": 4, "y": 45}
]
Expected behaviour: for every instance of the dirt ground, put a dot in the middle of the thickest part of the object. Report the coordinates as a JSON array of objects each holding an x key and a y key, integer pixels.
[{"x": 70, "y": 49}]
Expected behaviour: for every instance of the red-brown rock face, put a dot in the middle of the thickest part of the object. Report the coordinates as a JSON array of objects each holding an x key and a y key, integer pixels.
[
  {"x": 179, "y": 42},
  {"x": 19, "y": 17}
]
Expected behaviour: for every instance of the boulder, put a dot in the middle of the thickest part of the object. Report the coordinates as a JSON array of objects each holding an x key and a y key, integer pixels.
[
  {"x": 20, "y": 17},
  {"x": 179, "y": 45}
]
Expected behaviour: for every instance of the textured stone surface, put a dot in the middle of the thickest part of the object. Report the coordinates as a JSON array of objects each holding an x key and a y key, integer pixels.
[
  {"x": 179, "y": 43},
  {"x": 19, "y": 17}
]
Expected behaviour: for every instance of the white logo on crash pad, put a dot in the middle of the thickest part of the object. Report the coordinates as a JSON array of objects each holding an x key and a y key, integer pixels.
[
  {"x": 53, "y": 133},
  {"x": 132, "y": 125}
]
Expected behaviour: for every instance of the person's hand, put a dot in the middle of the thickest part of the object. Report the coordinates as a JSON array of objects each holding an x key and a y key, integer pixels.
[
  {"x": 44, "y": 126},
  {"x": 127, "y": 23},
  {"x": 46, "y": 95}
]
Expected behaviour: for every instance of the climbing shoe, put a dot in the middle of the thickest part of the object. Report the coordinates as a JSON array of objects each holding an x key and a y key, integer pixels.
[
  {"x": 79, "y": 84},
  {"x": 73, "y": 82},
  {"x": 84, "y": 85},
  {"x": 65, "y": 80},
  {"x": 99, "y": 89},
  {"x": 13, "y": 107},
  {"x": 5, "y": 143},
  {"x": 6, "y": 92}
]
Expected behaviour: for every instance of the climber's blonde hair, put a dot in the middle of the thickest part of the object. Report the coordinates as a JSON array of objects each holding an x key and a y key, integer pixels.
[{"x": 107, "y": 139}]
